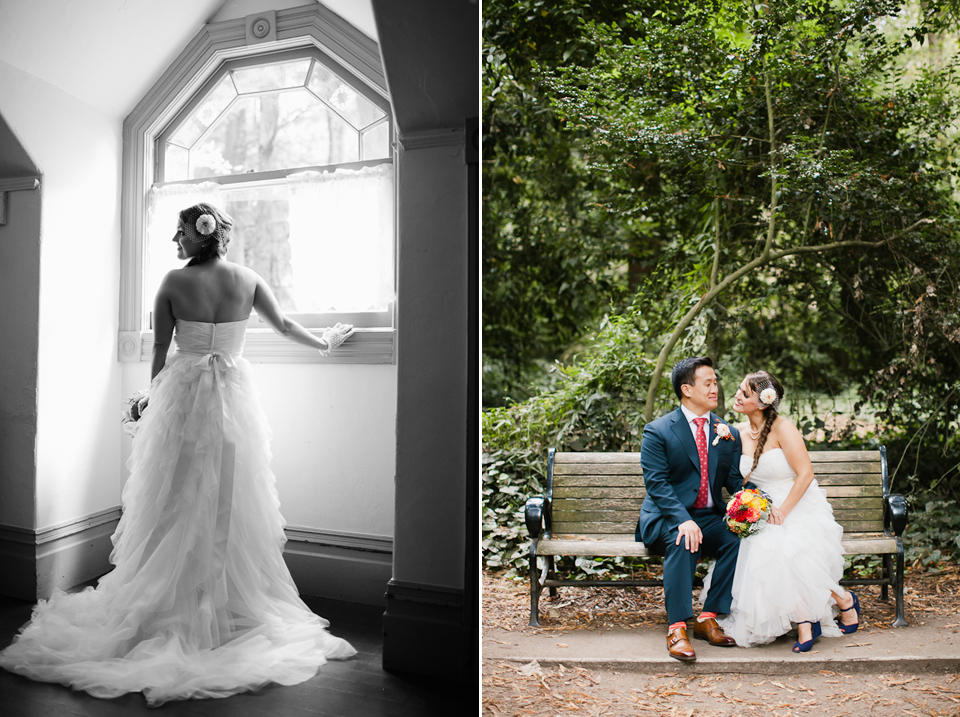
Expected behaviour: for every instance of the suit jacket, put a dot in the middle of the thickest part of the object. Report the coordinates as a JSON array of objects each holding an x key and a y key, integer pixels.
[{"x": 671, "y": 471}]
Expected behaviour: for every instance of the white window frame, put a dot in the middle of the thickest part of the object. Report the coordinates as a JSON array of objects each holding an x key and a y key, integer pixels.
[{"x": 314, "y": 28}]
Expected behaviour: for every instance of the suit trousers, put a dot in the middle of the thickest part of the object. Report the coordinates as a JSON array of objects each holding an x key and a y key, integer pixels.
[{"x": 680, "y": 565}]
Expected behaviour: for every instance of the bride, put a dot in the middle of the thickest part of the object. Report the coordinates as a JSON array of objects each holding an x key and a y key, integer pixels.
[
  {"x": 789, "y": 572},
  {"x": 200, "y": 602}
]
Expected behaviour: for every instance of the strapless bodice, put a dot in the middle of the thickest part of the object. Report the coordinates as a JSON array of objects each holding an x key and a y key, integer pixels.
[
  {"x": 773, "y": 468},
  {"x": 202, "y": 337}
]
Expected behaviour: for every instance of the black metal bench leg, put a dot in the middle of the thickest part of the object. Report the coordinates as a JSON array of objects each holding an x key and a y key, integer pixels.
[
  {"x": 901, "y": 621},
  {"x": 551, "y": 574},
  {"x": 888, "y": 575},
  {"x": 534, "y": 586}
]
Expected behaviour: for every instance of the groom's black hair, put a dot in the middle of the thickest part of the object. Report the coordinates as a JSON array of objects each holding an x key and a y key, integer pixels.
[{"x": 685, "y": 371}]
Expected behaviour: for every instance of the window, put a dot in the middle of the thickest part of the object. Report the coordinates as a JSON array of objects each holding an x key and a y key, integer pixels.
[{"x": 297, "y": 146}]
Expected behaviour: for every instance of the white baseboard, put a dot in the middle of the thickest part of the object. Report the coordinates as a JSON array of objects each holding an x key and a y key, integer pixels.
[
  {"x": 35, "y": 563},
  {"x": 352, "y": 567}
]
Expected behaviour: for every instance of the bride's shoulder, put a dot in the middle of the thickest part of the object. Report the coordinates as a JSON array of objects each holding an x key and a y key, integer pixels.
[{"x": 783, "y": 426}]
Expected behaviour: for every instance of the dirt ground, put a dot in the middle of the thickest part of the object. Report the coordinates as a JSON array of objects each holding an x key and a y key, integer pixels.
[{"x": 533, "y": 690}]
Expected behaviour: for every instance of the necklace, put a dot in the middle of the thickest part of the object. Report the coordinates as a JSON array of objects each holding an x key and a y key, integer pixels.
[{"x": 755, "y": 435}]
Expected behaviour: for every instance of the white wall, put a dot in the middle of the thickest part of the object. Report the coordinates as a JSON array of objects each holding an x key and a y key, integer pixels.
[
  {"x": 333, "y": 441},
  {"x": 78, "y": 150}
]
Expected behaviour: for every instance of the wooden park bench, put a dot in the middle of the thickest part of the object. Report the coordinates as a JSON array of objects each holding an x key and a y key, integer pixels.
[{"x": 593, "y": 500}]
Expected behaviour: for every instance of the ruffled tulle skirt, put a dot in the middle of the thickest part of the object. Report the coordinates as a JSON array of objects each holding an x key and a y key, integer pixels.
[
  {"x": 786, "y": 573},
  {"x": 200, "y": 602}
]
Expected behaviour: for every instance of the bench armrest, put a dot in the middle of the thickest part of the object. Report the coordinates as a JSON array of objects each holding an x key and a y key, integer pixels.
[
  {"x": 537, "y": 516},
  {"x": 897, "y": 513}
]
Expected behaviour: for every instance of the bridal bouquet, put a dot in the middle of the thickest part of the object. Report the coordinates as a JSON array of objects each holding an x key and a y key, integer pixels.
[
  {"x": 747, "y": 512},
  {"x": 132, "y": 414}
]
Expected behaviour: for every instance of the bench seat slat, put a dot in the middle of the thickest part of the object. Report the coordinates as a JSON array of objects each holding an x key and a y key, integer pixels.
[
  {"x": 611, "y": 480},
  {"x": 571, "y": 504},
  {"x": 573, "y": 469},
  {"x": 560, "y": 458},
  {"x": 623, "y": 526},
  {"x": 597, "y": 492},
  {"x": 852, "y": 491},
  {"x": 594, "y": 516},
  {"x": 848, "y": 479}
]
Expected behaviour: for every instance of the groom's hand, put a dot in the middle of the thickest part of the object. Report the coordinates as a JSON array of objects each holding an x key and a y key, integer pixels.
[{"x": 690, "y": 532}]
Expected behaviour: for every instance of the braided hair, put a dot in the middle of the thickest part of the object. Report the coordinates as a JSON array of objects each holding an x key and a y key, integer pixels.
[
  {"x": 759, "y": 382},
  {"x": 214, "y": 244}
]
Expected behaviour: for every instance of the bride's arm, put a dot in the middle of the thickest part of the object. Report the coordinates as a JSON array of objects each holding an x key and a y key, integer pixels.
[
  {"x": 790, "y": 440},
  {"x": 268, "y": 308},
  {"x": 163, "y": 323}
]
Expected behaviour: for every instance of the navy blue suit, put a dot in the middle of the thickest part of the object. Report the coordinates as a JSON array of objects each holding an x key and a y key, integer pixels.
[{"x": 671, "y": 475}]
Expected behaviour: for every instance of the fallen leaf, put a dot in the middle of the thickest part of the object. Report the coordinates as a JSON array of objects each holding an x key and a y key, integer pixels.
[{"x": 531, "y": 668}]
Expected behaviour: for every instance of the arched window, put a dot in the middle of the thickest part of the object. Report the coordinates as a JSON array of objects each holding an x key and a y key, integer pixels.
[{"x": 294, "y": 139}]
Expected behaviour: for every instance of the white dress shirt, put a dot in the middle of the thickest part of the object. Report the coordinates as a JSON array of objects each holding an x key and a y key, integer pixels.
[{"x": 690, "y": 415}]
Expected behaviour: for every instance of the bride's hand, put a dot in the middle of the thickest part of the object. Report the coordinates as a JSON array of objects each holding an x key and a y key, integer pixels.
[
  {"x": 336, "y": 335},
  {"x": 776, "y": 517}
]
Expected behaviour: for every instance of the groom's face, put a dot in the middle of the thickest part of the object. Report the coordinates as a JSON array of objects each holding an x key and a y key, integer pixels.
[{"x": 702, "y": 395}]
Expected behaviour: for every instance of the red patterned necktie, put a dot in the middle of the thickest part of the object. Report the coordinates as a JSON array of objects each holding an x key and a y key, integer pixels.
[{"x": 701, "y": 500}]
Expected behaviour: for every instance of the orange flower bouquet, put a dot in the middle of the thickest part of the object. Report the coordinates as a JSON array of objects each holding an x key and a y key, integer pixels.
[{"x": 748, "y": 511}]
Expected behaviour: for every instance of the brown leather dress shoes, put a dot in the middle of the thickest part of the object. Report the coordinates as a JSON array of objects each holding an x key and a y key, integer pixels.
[
  {"x": 679, "y": 646},
  {"x": 710, "y": 631}
]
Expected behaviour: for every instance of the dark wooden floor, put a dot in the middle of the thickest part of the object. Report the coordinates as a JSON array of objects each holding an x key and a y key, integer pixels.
[{"x": 354, "y": 687}]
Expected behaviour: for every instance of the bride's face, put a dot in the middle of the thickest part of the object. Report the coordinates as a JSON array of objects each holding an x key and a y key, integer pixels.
[
  {"x": 186, "y": 239},
  {"x": 745, "y": 401}
]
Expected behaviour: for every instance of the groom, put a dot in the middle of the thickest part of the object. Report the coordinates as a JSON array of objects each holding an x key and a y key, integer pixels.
[{"x": 686, "y": 460}]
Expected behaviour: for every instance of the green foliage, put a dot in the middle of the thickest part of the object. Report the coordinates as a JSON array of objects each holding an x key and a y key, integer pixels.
[
  {"x": 933, "y": 534},
  {"x": 596, "y": 406},
  {"x": 549, "y": 252}
]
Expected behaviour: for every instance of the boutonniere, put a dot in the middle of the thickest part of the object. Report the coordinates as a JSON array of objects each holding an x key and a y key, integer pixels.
[{"x": 723, "y": 431}]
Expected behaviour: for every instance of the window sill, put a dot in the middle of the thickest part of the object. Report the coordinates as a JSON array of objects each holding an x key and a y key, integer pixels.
[{"x": 366, "y": 346}]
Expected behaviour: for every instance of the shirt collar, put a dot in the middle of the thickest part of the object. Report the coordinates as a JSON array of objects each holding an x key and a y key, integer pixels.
[{"x": 690, "y": 415}]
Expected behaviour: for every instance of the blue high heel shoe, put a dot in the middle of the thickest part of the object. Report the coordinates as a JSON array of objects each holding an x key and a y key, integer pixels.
[
  {"x": 850, "y": 629},
  {"x": 805, "y": 646}
]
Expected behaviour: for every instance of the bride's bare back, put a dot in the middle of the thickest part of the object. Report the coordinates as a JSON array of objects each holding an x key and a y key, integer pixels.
[
  {"x": 218, "y": 291},
  {"x": 214, "y": 292}
]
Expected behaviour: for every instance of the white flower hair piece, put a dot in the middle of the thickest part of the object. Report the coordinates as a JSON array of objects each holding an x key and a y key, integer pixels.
[
  {"x": 206, "y": 224},
  {"x": 767, "y": 397}
]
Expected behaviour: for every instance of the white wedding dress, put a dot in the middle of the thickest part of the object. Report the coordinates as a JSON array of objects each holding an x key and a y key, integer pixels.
[
  {"x": 785, "y": 573},
  {"x": 200, "y": 602}
]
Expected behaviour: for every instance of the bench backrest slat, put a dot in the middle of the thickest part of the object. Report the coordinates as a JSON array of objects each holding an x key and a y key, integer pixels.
[{"x": 601, "y": 493}]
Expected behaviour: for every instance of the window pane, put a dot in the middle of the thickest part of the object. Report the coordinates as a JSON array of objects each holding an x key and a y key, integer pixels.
[
  {"x": 323, "y": 242},
  {"x": 274, "y": 131},
  {"x": 205, "y": 114},
  {"x": 349, "y": 103},
  {"x": 272, "y": 77},
  {"x": 175, "y": 163},
  {"x": 261, "y": 238},
  {"x": 376, "y": 142}
]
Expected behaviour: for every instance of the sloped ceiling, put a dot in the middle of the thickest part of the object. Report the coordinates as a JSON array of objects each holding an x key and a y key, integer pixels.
[
  {"x": 108, "y": 53},
  {"x": 431, "y": 50}
]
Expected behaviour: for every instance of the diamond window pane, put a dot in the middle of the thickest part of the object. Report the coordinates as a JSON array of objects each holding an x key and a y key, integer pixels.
[
  {"x": 276, "y": 130},
  {"x": 272, "y": 77},
  {"x": 376, "y": 142},
  {"x": 175, "y": 163},
  {"x": 360, "y": 111},
  {"x": 206, "y": 113}
]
